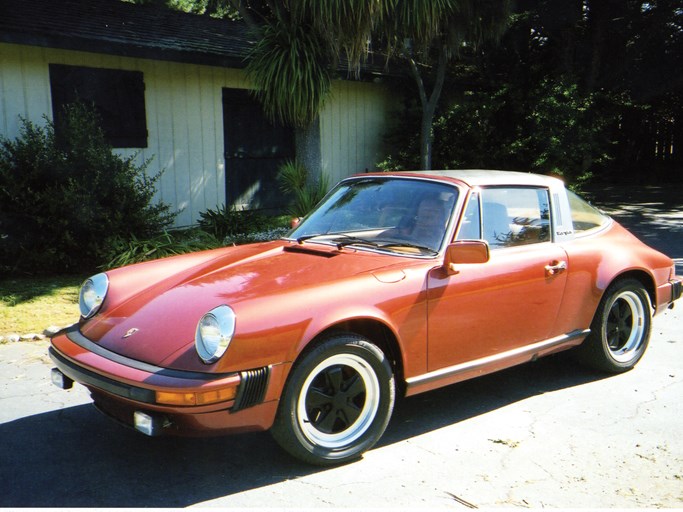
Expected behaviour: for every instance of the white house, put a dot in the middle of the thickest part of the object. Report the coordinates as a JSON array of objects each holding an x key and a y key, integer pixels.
[{"x": 170, "y": 86}]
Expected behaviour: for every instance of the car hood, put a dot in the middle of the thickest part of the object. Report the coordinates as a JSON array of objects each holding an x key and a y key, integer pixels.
[{"x": 157, "y": 321}]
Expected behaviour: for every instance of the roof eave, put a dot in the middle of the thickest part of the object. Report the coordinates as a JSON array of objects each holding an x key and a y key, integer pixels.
[{"x": 123, "y": 49}]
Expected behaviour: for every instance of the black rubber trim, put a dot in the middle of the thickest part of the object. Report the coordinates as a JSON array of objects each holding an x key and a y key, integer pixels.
[
  {"x": 676, "y": 287},
  {"x": 75, "y": 335},
  {"x": 79, "y": 374},
  {"x": 531, "y": 351},
  {"x": 252, "y": 388}
]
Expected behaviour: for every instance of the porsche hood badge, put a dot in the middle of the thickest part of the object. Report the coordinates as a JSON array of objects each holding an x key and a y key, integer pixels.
[{"x": 130, "y": 332}]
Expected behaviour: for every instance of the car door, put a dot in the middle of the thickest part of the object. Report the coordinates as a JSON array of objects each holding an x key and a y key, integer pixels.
[{"x": 508, "y": 302}]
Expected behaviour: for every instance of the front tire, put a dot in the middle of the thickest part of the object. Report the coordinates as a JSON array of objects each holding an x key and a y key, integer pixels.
[
  {"x": 620, "y": 331},
  {"x": 337, "y": 401}
]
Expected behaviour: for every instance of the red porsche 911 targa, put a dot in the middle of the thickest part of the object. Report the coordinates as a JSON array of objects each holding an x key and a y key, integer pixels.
[{"x": 397, "y": 283}]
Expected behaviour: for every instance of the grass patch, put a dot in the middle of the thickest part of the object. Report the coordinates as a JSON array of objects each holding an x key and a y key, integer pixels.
[{"x": 31, "y": 304}]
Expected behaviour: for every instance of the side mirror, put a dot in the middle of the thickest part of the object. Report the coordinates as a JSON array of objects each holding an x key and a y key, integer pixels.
[{"x": 465, "y": 252}]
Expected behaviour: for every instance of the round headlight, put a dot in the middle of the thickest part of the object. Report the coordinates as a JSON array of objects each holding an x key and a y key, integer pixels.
[
  {"x": 93, "y": 292},
  {"x": 214, "y": 332}
]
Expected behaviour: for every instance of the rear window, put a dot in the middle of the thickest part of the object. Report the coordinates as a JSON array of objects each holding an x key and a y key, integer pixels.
[{"x": 584, "y": 216}]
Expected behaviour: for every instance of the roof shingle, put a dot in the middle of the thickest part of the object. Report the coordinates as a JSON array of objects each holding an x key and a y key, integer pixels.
[{"x": 121, "y": 28}]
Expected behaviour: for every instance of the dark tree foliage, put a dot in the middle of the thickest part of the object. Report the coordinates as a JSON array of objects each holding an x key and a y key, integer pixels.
[
  {"x": 589, "y": 88},
  {"x": 213, "y": 8}
]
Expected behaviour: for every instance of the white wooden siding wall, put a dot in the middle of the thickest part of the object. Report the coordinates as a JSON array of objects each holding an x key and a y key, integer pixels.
[
  {"x": 352, "y": 127},
  {"x": 23, "y": 75},
  {"x": 185, "y": 124},
  {"x": 184, "y": 117},
  {"x": 185, "y": 120}
]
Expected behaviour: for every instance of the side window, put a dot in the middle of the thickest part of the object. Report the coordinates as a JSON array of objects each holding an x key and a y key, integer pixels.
[
  {"x": 513, "y": 216},
  {"x": 118, "y": 97},
  {"x": 470, "y": 226},
  {"x": 584, "y": 216}
]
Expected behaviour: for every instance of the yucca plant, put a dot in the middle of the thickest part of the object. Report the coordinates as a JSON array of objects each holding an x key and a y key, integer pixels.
[
  {"x": 289, "y": 68},
  {"x": 346, "y": 26}
]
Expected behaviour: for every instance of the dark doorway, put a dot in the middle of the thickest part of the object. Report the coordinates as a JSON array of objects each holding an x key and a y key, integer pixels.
[{"x": 254, "y": 150}]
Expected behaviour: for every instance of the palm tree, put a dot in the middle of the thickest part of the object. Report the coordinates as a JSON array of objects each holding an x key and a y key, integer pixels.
[{"x": 300, "y": 43}]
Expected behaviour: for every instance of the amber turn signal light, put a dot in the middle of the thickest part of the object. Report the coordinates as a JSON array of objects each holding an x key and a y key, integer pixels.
[{"x": 200, "y": 398}]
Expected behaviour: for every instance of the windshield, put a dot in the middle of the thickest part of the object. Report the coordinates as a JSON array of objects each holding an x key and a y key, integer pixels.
[{"x": 395, "y": 214}]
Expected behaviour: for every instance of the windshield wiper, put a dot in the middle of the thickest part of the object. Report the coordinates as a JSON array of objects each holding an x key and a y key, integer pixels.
[
  {"x": 339, "y": 239},
  {"x": 408, "y": 244},
  {"x": 344, "y": 240}
]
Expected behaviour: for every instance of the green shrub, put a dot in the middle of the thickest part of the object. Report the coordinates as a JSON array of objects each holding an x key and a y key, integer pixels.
[
  {"x": 294, "y": 181},
  {"x": 223, "y": 221},
  {"x": 134, "y": 250},
  {"x": 265, "y": 235},
  {"x": 65, "y": 197},
  {"x": 170, "y": 243}
]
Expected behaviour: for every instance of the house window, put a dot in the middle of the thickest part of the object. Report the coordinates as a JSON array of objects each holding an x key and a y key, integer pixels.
[{"x": 117, "y": 95}]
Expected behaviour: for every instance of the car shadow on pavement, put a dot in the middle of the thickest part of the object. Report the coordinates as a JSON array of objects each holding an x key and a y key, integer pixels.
[
  {"x": 436, "y": 409},
  {"x": 75, "y": 457}
]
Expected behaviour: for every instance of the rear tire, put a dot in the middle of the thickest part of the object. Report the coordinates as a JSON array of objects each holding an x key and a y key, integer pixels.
[
  {"x": 337, "y": 401},
  {"x": 620, "y": 331}
]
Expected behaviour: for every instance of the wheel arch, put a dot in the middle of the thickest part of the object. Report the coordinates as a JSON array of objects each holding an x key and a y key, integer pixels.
[
  {"x": 597, "y": 351},
  {"x": 376, "y": 332},
  {"x": 348, "y": 428},
  {"x": 641, "y": 276}
]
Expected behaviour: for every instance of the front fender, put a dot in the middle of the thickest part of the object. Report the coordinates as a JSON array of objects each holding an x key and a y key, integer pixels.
[{"x": 277, "y": 329}]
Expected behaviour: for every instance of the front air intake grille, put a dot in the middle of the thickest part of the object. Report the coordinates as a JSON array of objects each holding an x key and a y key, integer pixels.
[{"x": 252, "y": 389}]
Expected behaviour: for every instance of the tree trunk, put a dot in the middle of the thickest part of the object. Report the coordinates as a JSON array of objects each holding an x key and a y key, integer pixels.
[
  {"x": 426, "y": 140},
  {"x": 428, "y": 106}
]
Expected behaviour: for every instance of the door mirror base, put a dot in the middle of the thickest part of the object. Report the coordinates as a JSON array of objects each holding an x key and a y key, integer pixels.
[{"x": 465, "y": 252}]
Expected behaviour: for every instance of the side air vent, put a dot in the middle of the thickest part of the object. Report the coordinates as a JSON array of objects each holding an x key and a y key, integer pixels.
[{"x": 252, "y": 389}]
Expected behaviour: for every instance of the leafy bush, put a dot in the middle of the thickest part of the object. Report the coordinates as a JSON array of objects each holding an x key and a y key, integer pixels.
[
  {"x": 65, "y": 197},
  {"x": 170, "y": 243},
  {"x": 134, "y": 250},
  {"x": 553, "y": 129},
  {"x": 223, "y": 221},
  {"x": 266, "y": 235},
  {"x": 294, "y": 181}
]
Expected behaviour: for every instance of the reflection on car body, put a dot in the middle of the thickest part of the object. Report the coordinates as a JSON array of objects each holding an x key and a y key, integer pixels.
[{"x": 395, "y": 283}]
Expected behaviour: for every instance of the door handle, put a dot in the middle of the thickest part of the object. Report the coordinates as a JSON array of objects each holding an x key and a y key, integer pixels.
[{"x": 555, "y": 267}]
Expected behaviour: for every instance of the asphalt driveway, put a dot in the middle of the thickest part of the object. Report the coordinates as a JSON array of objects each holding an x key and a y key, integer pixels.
[
  {"x": 654, "y": 213},
  {"x": 545, "y": 434}
]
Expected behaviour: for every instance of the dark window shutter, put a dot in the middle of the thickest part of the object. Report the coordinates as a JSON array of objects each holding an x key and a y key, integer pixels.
[{"x": 117, "y": 95}]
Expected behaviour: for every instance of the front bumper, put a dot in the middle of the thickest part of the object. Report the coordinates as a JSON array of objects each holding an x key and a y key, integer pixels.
[{"x": 127, "y": 390}]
